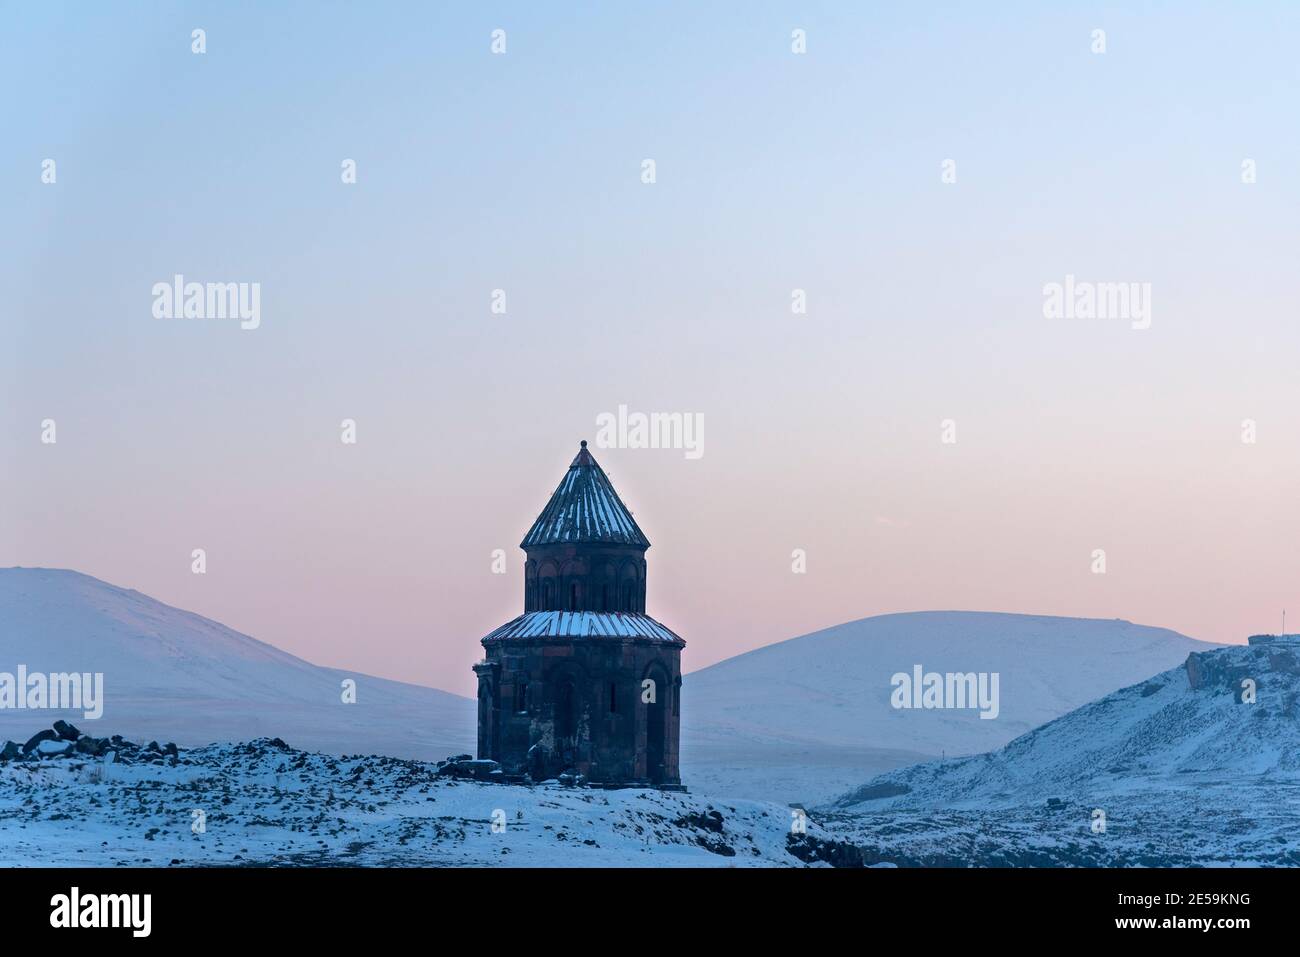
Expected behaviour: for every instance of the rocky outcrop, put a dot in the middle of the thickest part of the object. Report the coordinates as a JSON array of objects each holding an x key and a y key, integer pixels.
[
  {"x": 1216, "y": 671},
  {"x": 815, "y": 850}
]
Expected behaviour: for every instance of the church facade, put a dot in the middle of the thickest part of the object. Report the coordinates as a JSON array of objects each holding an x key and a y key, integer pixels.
[{"x": 584, "y": 681}]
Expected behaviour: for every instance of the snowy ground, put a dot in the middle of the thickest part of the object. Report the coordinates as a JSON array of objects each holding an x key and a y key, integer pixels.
[
  {"x": 785, "y": 773},
  {"x": 267, "y": 804},
  {"x": 1198, "y": 824}
]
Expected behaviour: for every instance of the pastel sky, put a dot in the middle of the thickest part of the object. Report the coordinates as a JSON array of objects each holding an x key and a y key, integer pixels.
[{"x": 775, "y": 171}]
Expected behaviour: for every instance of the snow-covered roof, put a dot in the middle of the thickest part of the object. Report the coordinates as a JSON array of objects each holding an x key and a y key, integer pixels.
[
  {"x": 584, "y": 624},
  {"x": 585, "y": 508}
]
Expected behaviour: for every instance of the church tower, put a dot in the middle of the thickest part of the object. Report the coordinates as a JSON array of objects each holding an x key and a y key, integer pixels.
[{"x": 583, "y": 681}]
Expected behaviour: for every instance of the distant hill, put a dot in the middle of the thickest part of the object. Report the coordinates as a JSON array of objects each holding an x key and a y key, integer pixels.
[
  {"x": 176, "y": 676},
  {"x": 809, "y": 718}
]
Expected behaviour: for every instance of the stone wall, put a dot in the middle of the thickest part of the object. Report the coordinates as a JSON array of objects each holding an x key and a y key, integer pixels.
[{"x": 550, "y": 706}]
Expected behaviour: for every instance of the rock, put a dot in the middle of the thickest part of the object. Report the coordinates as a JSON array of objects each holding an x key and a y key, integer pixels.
[
  {"x": 812, "y": 849},
  {"x": 52, "y": 747},
  {"x": 37, "y": 738},
  {"x": 11, "y": 751},
  {"x": 152, "y": 746},
  {"x": 171, "y": 749},
  {"x": 468, "y": 768},
  {"x": 1225, "y": 669},
  {"x": 86, "y": 745},
  {"x": 65, "y": 731},
  {"x": 710, "y": 820}
]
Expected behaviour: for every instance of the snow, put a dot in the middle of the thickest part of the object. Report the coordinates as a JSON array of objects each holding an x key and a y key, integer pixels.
[
  {"x": 1182, "y": 777},
  {"x": 1138, "y": 737},
  {"x": 583, "y": 624},
  {"x": 806, "y": 719},
  {"x": 265, "y": 803}
]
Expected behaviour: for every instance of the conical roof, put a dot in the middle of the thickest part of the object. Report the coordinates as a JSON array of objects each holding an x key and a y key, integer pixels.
[{"x": 585, "y": 508}]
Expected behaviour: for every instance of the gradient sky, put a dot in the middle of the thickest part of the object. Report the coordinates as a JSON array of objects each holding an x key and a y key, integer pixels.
[{"x": 775, "y": 171}]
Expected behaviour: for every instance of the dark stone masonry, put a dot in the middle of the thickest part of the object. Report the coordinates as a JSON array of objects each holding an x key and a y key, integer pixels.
[{"x": 584, "y": 682}]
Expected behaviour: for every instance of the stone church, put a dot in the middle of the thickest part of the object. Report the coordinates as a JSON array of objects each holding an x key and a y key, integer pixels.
[{"x": 584, "y": 681}]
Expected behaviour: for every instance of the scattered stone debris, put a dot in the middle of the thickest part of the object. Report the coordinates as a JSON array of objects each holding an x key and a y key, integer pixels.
[{"x": 65, "y": 740}]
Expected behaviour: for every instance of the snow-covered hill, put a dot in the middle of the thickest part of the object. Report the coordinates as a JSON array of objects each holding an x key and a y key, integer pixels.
[
  {"x": 808, "y": 718},
  {"x": 1159, "y": 733},
  {"x": 173, "y": 675},
  {"x": 1179, "y": 774},
  {"x": 264, "y": 803}
]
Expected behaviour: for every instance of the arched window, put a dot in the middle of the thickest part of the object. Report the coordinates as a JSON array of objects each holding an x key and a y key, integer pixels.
[
  {"x": 604, "y": 598},
  {"x": 629, "y": 598},
  {"x": 573, "y": 596},
  {"x": 546, "y": 595},
  {"x": 521, "y": 696}
]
